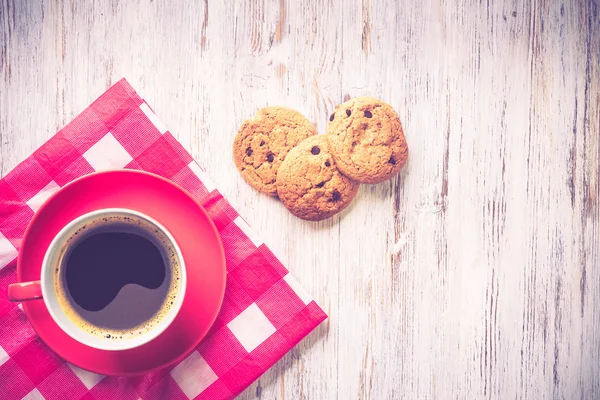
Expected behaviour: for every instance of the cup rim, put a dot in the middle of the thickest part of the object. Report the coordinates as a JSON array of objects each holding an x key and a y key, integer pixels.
[{"x": 48, "y": 291}]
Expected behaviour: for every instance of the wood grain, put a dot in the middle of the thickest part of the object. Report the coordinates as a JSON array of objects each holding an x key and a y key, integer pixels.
[{"x": 474, "y": 274}]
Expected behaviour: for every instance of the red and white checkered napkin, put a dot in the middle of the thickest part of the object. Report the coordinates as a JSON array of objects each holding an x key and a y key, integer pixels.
[{"x": 264, "y": 314}]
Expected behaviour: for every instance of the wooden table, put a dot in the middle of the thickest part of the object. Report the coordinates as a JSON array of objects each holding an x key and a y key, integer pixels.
[{"x": 474, "y": 274}]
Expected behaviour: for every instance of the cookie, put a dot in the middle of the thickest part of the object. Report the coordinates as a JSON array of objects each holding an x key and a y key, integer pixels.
[
  {"x": 366, "y": 140},
  {"x": 264, "y": 140},
  {"x": 310, "y": 185}
]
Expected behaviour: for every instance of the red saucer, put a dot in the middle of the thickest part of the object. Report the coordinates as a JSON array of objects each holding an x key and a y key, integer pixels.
[{"x": 192, "y": 229}]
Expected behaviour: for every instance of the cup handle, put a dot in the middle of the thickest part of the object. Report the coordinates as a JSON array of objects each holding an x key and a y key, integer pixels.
[{"x": 23, "y": 291}]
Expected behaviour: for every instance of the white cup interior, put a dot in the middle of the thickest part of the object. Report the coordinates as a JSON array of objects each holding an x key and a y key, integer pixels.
[{"x": 61, "y": 318}]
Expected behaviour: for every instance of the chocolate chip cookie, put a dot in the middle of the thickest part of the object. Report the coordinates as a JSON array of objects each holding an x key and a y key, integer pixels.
[
  {"x": 264, "y": 140},
  {"x": 366, "y": 140},
  {"x": 309, "y": 183}
]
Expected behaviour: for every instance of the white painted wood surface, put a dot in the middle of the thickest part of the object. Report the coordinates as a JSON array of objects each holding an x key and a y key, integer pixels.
[{"x": 473, "y": 275}]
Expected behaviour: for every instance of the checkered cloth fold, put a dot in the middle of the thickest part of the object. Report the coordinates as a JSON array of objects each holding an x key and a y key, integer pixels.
[{"x": 265, "y": 311}]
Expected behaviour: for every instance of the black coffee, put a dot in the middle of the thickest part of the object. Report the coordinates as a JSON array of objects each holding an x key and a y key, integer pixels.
[
  {"x": 117, "y": 276},
  {"x": 103, "y": 263}
]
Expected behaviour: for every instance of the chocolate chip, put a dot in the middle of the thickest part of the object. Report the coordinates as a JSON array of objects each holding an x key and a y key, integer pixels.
[
  {"x": 348, "y": 112},
  {"x": 270, "y": 157},
  {"x": 336, "y": 195},
  {"x": 315, "y": 150},
  {"x": 331, "y": 117},
  {"x": 392, "y": 160},
  {"x": 368, "y": 114},
  {"x": 327, "y": 164},
  {"x": 262, "y": 142},
  {"x": 249, "y": 151},
  {"x": 108, "y": 335},
  {"x": 320, "y": 184}
]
